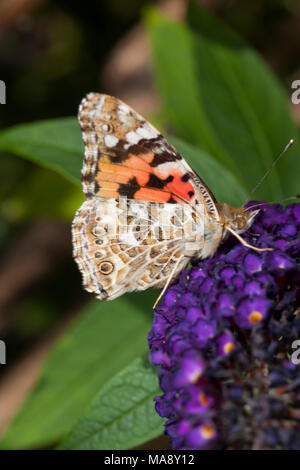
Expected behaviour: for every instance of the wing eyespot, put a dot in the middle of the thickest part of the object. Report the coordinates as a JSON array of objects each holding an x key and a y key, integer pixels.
[{"x": 106, "y": 267}]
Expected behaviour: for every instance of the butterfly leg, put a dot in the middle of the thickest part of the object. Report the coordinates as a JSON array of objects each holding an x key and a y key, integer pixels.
[{"x": 168, "y": 281}]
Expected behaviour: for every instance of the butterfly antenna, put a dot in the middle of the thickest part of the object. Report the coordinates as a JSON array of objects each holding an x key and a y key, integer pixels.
[{"x": 269, "y": 169}]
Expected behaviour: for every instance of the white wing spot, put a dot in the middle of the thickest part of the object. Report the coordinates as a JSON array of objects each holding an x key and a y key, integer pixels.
[
  {"x": 92, "y": 137},
  {"x": 166, "y": 168},
  {"x": 123, "y": 108},
  {"x": 110, "y": 140},
  {"x": 124, "y": 118},
  {"x": 105, "y": 127},
  {"x": 133, "y": 137},
  {"x": 147, "y": 132}
]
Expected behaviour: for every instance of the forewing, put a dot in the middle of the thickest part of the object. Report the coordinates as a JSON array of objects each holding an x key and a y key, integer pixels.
[{"x": 126, "y": 156}]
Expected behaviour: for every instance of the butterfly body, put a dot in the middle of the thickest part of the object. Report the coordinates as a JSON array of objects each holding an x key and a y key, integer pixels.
[{"x": 147, "y": 213}]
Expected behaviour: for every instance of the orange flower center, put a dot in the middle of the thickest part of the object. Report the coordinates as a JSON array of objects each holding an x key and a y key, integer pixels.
[
  {"x": 255, "y": 317},
  {"x": 203, "y": 399},
  {"x": 207, "y": 431},
  {"x": 228, "y": 347}
]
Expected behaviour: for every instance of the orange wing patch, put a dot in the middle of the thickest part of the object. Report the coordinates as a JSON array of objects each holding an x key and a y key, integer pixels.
[
  {"x": 152, "y": 195},
  {"x": 144, "y": 181},
  {"x": 180, "y": 187}
]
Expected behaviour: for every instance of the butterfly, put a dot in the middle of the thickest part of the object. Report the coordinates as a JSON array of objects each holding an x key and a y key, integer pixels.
[{"x": 147, "y": 213}]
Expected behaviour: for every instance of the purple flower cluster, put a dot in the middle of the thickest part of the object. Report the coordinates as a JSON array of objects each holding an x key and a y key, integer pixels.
[{"x": 223, "y": 337}]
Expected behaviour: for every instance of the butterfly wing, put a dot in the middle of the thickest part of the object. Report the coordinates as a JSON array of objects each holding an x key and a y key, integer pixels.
[
  {"x": 125, "y": 155},
  {"x": 113, "y": 261},
  {"x": 127, "y": 158}
]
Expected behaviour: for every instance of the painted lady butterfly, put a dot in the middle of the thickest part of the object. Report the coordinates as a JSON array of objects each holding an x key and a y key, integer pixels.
[{"x": 147, "y": 213}]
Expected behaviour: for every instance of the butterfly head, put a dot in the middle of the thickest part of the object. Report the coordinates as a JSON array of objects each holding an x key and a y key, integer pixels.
[{"x": 237, "y": 218}]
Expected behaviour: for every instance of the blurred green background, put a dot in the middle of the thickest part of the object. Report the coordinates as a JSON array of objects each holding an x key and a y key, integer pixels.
[{"x": 195, "y": 79}]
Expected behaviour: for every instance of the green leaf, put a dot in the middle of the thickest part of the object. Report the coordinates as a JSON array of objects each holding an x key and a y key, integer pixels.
[
  {"x": 61, "y": 202},
  {"x": 101, "y": 342},
  {"x": 122, "y": 416},
  {"x": 54, "y": 144},
  {"x": 221, "y": 97}
]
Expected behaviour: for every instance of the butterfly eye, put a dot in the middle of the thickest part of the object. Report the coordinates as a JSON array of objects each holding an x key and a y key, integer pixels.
[
  {"x": 106, "y": 267},
  {"x": 241, "y": 223}
]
